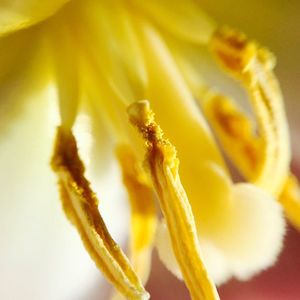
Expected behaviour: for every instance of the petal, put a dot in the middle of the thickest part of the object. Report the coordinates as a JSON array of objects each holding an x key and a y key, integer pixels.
[
  {"x": 185, "y": 20},
  {"x": 21, "y": 76},
  {"x": 16, "y": 15},
  {"x": 115, "y": 47}
]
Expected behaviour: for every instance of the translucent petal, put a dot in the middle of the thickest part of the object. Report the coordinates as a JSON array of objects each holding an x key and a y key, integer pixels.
[{"x": 19, "y": 14}]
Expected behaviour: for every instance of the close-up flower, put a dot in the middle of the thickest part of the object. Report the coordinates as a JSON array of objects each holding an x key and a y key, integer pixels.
[{"x": 139, "y": 139}]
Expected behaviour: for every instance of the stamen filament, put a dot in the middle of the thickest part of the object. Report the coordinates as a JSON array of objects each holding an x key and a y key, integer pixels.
[
  {"x": 81, "y": 207},
  {"x": 162, "y": 164},
  {"x": 253, "y": 66},
  {"x": 143, "y": 211}
]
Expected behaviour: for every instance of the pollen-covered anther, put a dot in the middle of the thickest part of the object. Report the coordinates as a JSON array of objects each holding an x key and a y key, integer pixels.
[
  {"x": 142, "y": 117},
  {"x": 162, "y": 164},
  {"x": 81, "y": 207},
  {"x": 233, "y": 49}
]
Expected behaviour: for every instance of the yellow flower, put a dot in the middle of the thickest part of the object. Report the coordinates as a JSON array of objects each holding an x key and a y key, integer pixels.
[{"x": 107, "y": 58}]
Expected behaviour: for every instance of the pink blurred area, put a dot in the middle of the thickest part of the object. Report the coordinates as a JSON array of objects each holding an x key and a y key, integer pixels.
[{"x": 280, "y": 282}]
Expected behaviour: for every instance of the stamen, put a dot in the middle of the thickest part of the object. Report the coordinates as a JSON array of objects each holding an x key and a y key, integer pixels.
[
  {"x": 235, "y": 131},
  {"x": 253, "y": 66},
  {"x": 143, "y": 211},
  {"x": 81, "y": 207},
  {"x": 162, "y": 164}
]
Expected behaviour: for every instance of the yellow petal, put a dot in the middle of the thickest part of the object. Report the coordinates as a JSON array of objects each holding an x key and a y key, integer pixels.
[
  {"x": 16, "y": 15},
  {"x": 115, "y": 46},
  {"x": 253, "y": 66},
  {"x": 66, "y": 68},
  {"x": 21, "y": 76},
  {"x": 185, "y": 20},
  {"x": 162, "y": 164},
  {"x": 81, "y": 206}
]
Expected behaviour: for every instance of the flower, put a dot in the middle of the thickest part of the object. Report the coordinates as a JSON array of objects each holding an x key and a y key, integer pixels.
[{"x": 110, "y": 57}]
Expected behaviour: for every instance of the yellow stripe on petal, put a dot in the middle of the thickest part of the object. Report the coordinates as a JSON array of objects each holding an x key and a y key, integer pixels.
[
  {"x": 162, "y": 164},
  {"x": 253, "y": 66},
  {"x": 81, "y": 207}
]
